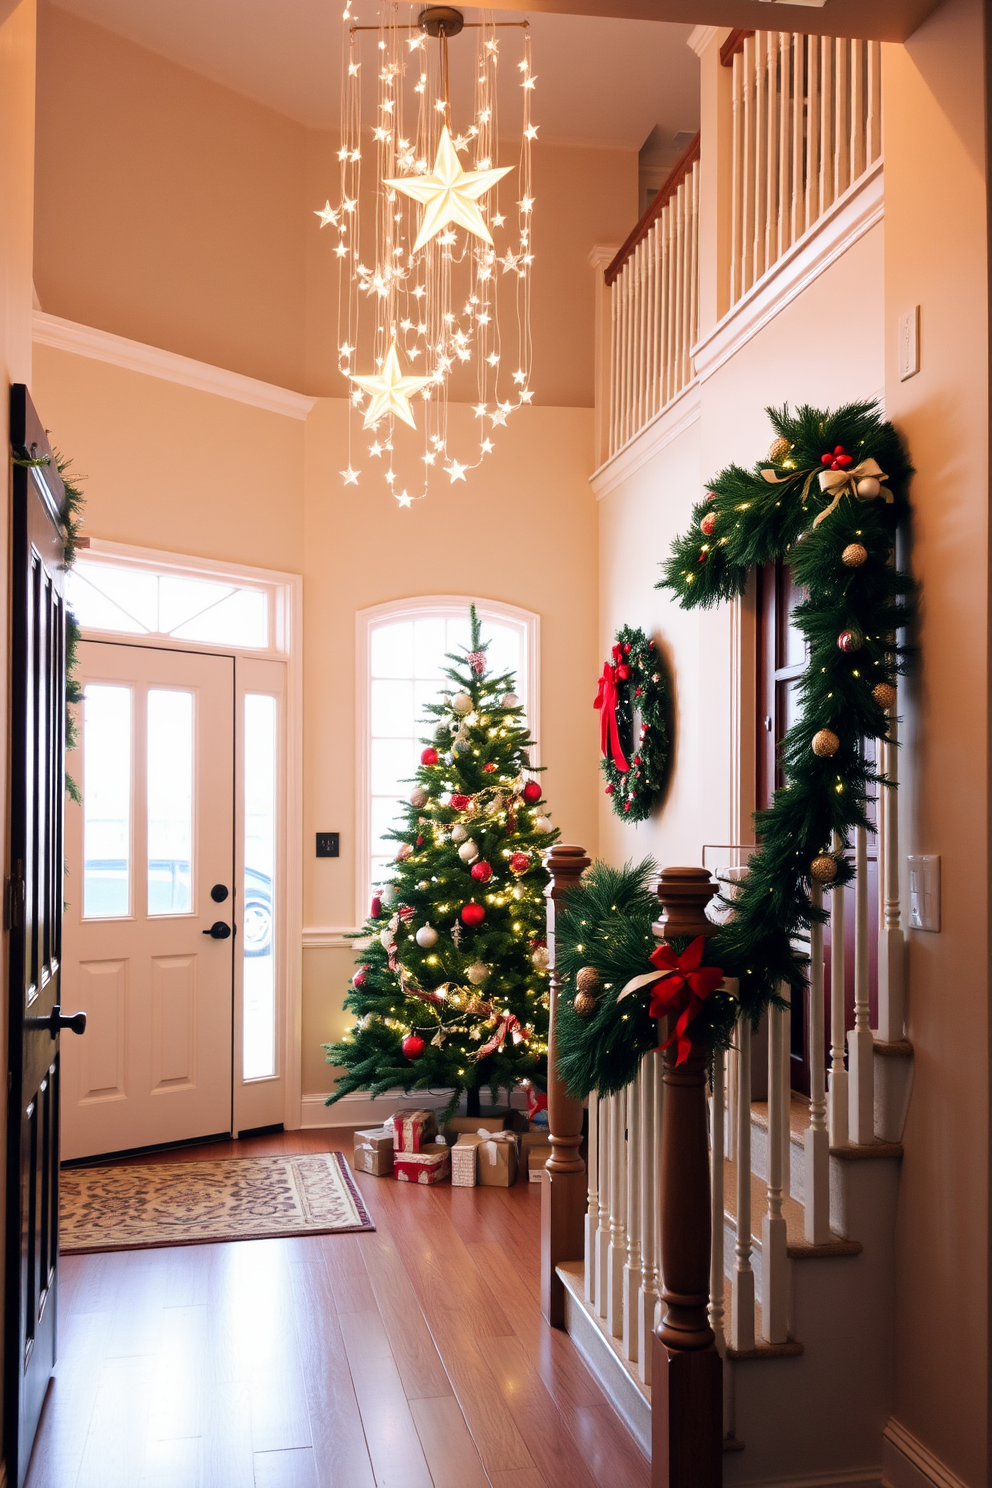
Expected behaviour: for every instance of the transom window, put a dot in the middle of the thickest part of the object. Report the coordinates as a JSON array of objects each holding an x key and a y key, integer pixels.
[{"x": 402, "y": 658}]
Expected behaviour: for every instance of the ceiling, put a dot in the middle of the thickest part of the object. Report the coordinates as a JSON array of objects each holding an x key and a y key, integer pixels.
[{"x": 603, "y": 82}]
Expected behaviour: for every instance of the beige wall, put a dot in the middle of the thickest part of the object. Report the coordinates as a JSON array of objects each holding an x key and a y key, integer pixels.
[
  {"x": 934, "y": 133},
  {"x": 174, "y": 211}
]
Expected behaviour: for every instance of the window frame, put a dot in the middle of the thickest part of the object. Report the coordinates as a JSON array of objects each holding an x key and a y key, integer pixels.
[{"x": 447, "y": 606}]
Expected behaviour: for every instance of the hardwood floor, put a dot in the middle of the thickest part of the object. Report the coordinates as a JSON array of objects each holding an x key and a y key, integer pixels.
[{"x": 414, "y": 1357}]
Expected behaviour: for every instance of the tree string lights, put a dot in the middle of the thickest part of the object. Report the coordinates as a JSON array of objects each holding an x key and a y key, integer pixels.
[{"x": 435, "y": 254}]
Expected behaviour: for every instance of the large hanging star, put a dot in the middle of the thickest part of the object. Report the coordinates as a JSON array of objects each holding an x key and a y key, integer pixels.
[
  {"x": 391, "y": 391},
  {"x": 449, "y": 194}
]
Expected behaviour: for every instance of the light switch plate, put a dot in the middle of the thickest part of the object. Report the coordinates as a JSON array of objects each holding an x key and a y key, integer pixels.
[
  {"x": 924, "y": 892},
  {"x": 909, "y": 343}
]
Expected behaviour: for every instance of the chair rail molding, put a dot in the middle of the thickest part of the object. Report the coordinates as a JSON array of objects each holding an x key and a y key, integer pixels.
[
  {"x": 169, "y": 366},
  {"x": 907, "y": 1463},
  {"x": 852, "y": 216},
  {"x": 327, "y": 937}
]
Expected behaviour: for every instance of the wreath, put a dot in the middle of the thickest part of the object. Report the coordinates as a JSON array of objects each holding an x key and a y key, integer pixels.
[{"x": 633, "y": 683}]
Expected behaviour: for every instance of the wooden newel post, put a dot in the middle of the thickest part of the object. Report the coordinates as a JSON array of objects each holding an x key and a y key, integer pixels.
[
  {"x": 563, "y": 1183},
  {"x": 687, "y": 1371}
]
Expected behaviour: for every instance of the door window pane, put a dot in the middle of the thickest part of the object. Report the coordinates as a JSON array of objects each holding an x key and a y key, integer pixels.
[
  {"x": 106, "y": 801},
  {"x": 258, "y": 901},
  {"x": 137, "y": 601},
  {"x": 170, "y": 801}
]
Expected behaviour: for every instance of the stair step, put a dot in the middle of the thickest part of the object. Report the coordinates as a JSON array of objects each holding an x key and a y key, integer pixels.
[{"x": 792, "y": 1212}]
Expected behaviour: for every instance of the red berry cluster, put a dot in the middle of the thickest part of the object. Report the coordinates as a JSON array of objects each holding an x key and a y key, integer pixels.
[{"x": 837, "y": 459}]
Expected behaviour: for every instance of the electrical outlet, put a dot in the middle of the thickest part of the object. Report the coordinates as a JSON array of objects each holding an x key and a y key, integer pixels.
[
  {"x": 924, "y": 892},
  {"x": 909, "y": 343},
  {"x": 328, "y": 844}
]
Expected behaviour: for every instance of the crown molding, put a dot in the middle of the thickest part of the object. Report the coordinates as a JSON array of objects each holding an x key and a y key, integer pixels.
[
  {"x": 168, "y": 366},
  {"x": 700, "y": 37}
]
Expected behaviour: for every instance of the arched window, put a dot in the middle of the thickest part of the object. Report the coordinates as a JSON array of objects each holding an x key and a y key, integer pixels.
[{"x": 401, "y": 657}]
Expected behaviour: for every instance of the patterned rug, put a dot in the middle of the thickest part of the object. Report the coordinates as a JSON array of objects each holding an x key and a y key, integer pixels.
[{"x": 195, "y": 1203}]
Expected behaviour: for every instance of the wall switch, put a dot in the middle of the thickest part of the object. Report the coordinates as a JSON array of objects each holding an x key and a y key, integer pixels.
[
  {"x": 924, "y": 893},
  {"x": 909, "y": 343},
  {"x": 327, "y": 844}
]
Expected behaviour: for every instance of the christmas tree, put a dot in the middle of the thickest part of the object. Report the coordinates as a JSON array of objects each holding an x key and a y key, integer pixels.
[{"x": 451, "y": 990}]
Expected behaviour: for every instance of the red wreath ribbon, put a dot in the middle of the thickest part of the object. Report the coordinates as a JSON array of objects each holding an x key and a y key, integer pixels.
[
  {"x": 686, "y": 986},
  {"x": 606, "y": 701}
]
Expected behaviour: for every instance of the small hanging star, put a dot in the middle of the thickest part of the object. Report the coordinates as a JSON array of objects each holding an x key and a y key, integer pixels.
[
  {"x": 327, "y": 215},
  {"x": 456, "y": 471},
  {"x": 404, "y": 499},
  {"x": 351, "y": 476}
]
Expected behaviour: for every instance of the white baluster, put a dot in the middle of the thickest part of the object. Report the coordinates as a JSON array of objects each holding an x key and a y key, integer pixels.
[
  {"x": 857, "y": 102},
  {"x": 842, "y": 128},
  {"x": 816, "y": 1182},
  {"x": 873, "y": 104},
  {"x": 693, "y": 251},
  {"x": 774, "y": 1241},
  {"x": 838, "y": 1074},
  {"x": 784, "y": 223},
  {"x": 603, "y": 1227},
  {"x": 737, "y": 181},
  {"x": 758, "y": 264},
  {"x": 747, "y": 260},
  {"x": 786, "y": 1136},
  {"x": 718, "y": 1127},
  {"x": 814, "y": 144},
  {"x": 860, "y": 1044},
  {"x": 826, "y": 123},
  {"x": 797, "y": 200},
  {"x": 632, "y": 1275},
  {"x": 647, "y": 1297},
  {"x": 592, "y": 1209},
  {"x": 614, "y": 436},
  {"x": 742, "y": 1292},
  {"x": 617, "y": 1252},
  {"x": 891, "y": 944}
]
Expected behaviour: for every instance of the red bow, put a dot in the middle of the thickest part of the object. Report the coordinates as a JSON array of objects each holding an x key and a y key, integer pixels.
[
  {"x": 508, "y": 1023},
  {"x": 685, "y": 987},
  {"x": 606, "y": 700}
]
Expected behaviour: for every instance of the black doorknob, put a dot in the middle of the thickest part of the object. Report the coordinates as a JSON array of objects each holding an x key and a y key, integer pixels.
[
  {"x": 56, "y": 1020},
  {"x": 219, "y": 893},
  {"x": 218, "y": 930}
]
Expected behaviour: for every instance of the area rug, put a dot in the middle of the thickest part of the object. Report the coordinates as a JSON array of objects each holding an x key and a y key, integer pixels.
[{"x": 196, "y": 1203}]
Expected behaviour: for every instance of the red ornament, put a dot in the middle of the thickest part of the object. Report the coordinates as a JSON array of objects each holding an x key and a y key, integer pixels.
[
  {"x": 482, "y": 872},
  {"x": 531, "y": 792},
  {"x": 473, "y": 914},
  {"x": 459, "y": 803},
  {"x": 626, "y": 648},
  {"x": 608, "y": 791},
  {"x": 406, "y": 913},
  {"x": 359, "y": 979},
  {"x": 707, "y": 524},
  {"x": 429, "y": 757},
  {"x": 376, "y": 907},
  {"x": 420, "y": 841},
  {"x": 519, "y": 862},
  {"x": 413, "y": 1046},
  {"x": 837, "y": 458},
  {"x": 623, "y": 672},
  {"x": 850, "y": 640},
  {"x": 489, "y": 767}
]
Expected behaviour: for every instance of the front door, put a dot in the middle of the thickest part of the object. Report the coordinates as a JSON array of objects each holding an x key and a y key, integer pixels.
[{"x": 150, "y": 900}]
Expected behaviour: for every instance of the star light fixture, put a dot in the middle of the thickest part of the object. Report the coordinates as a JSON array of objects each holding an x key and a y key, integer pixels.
[{"x": 435, "y": 269}]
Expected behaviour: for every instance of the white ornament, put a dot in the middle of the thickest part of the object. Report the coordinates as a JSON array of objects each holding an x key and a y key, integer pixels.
[
  {"x": 461, "y": 702},
  {"x": 477, "y": 973},
  {"x": 518, "y": 891},
  {"x": 419, "y": 797},
  {"x": 540, "y": 958},
  {"x": 386, "y": 936},
  {"x": 868, "y": 487},
  {"x": 388, "y": 895},
  {"x": 509, "y": 700},
  {"x": 458, "y": 833},
  {"x": 468, "y": 852},
  {"x": 544, "y": 824},
  {"x": 426, "y": 937}
]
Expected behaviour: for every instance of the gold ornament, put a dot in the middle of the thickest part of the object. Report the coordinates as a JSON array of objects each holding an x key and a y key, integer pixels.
[
  {"x": 449, "y": 194},
  {"x": 824, "y": 868},
  {"x": 854, "y": 555},
  {"x": 825, "y": 743},
  {"x": 779, "y": 448},
  {"x": 391, "y": 391},
  {"x": 884, "y": 694}
]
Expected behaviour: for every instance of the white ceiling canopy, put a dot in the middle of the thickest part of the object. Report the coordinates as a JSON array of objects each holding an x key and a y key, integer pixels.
[{"x": 604, "y": 83}]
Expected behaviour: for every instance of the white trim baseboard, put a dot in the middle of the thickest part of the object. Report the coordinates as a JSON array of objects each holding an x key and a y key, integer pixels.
[
  {"x": 136, "y": 356},
  {"x": 324, "y": 937},
  {"x": 907, "y": 1463},
  {"x": 851, "y": 216},
  {"x": 667, "y": 425},
  {"x": 361, "y": 1109}
]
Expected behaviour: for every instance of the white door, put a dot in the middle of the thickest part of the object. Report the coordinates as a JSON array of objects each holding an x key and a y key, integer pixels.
[{"x": 148, "y": 942}]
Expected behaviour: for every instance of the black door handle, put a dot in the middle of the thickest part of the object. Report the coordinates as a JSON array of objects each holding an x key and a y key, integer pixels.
[
  {"x": 56, "y": 1020},
  {"x": 218, "y": 930}
]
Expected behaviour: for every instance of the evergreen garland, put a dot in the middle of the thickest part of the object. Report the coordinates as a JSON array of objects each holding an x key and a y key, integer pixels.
[
  {"x": 637, "y": 676},
  {"x": 840, "y": 542},
  {"x": 467, "y": 1008}
]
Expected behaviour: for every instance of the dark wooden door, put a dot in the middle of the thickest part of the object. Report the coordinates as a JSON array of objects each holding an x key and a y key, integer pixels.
[
  {"x": 34, "y": 920},
  {"x": 781, "y": 663}
]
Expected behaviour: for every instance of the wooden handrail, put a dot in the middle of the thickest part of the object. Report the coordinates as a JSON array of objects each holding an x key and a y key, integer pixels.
[
  {"x": 733, "y": 44},
  {"x": 678, "y": 174}
]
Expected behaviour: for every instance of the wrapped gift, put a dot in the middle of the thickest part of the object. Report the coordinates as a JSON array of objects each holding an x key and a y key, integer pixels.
[
  {"x": 536, "y": 1159},
  {"x": 463, "y": 1160},
  {"x": 374, "y": 1151},
  {"x": 459, "y": 1126},
  {"x": 527, "y": 1142},
  {"x": 497, "y": 1159},
  {"x": 432, "y": 1164},
  {"x": 413, "y": 1127}
]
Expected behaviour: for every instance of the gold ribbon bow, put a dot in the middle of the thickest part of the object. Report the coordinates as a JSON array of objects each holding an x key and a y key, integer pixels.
[{"x": 838, "y": 483}]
